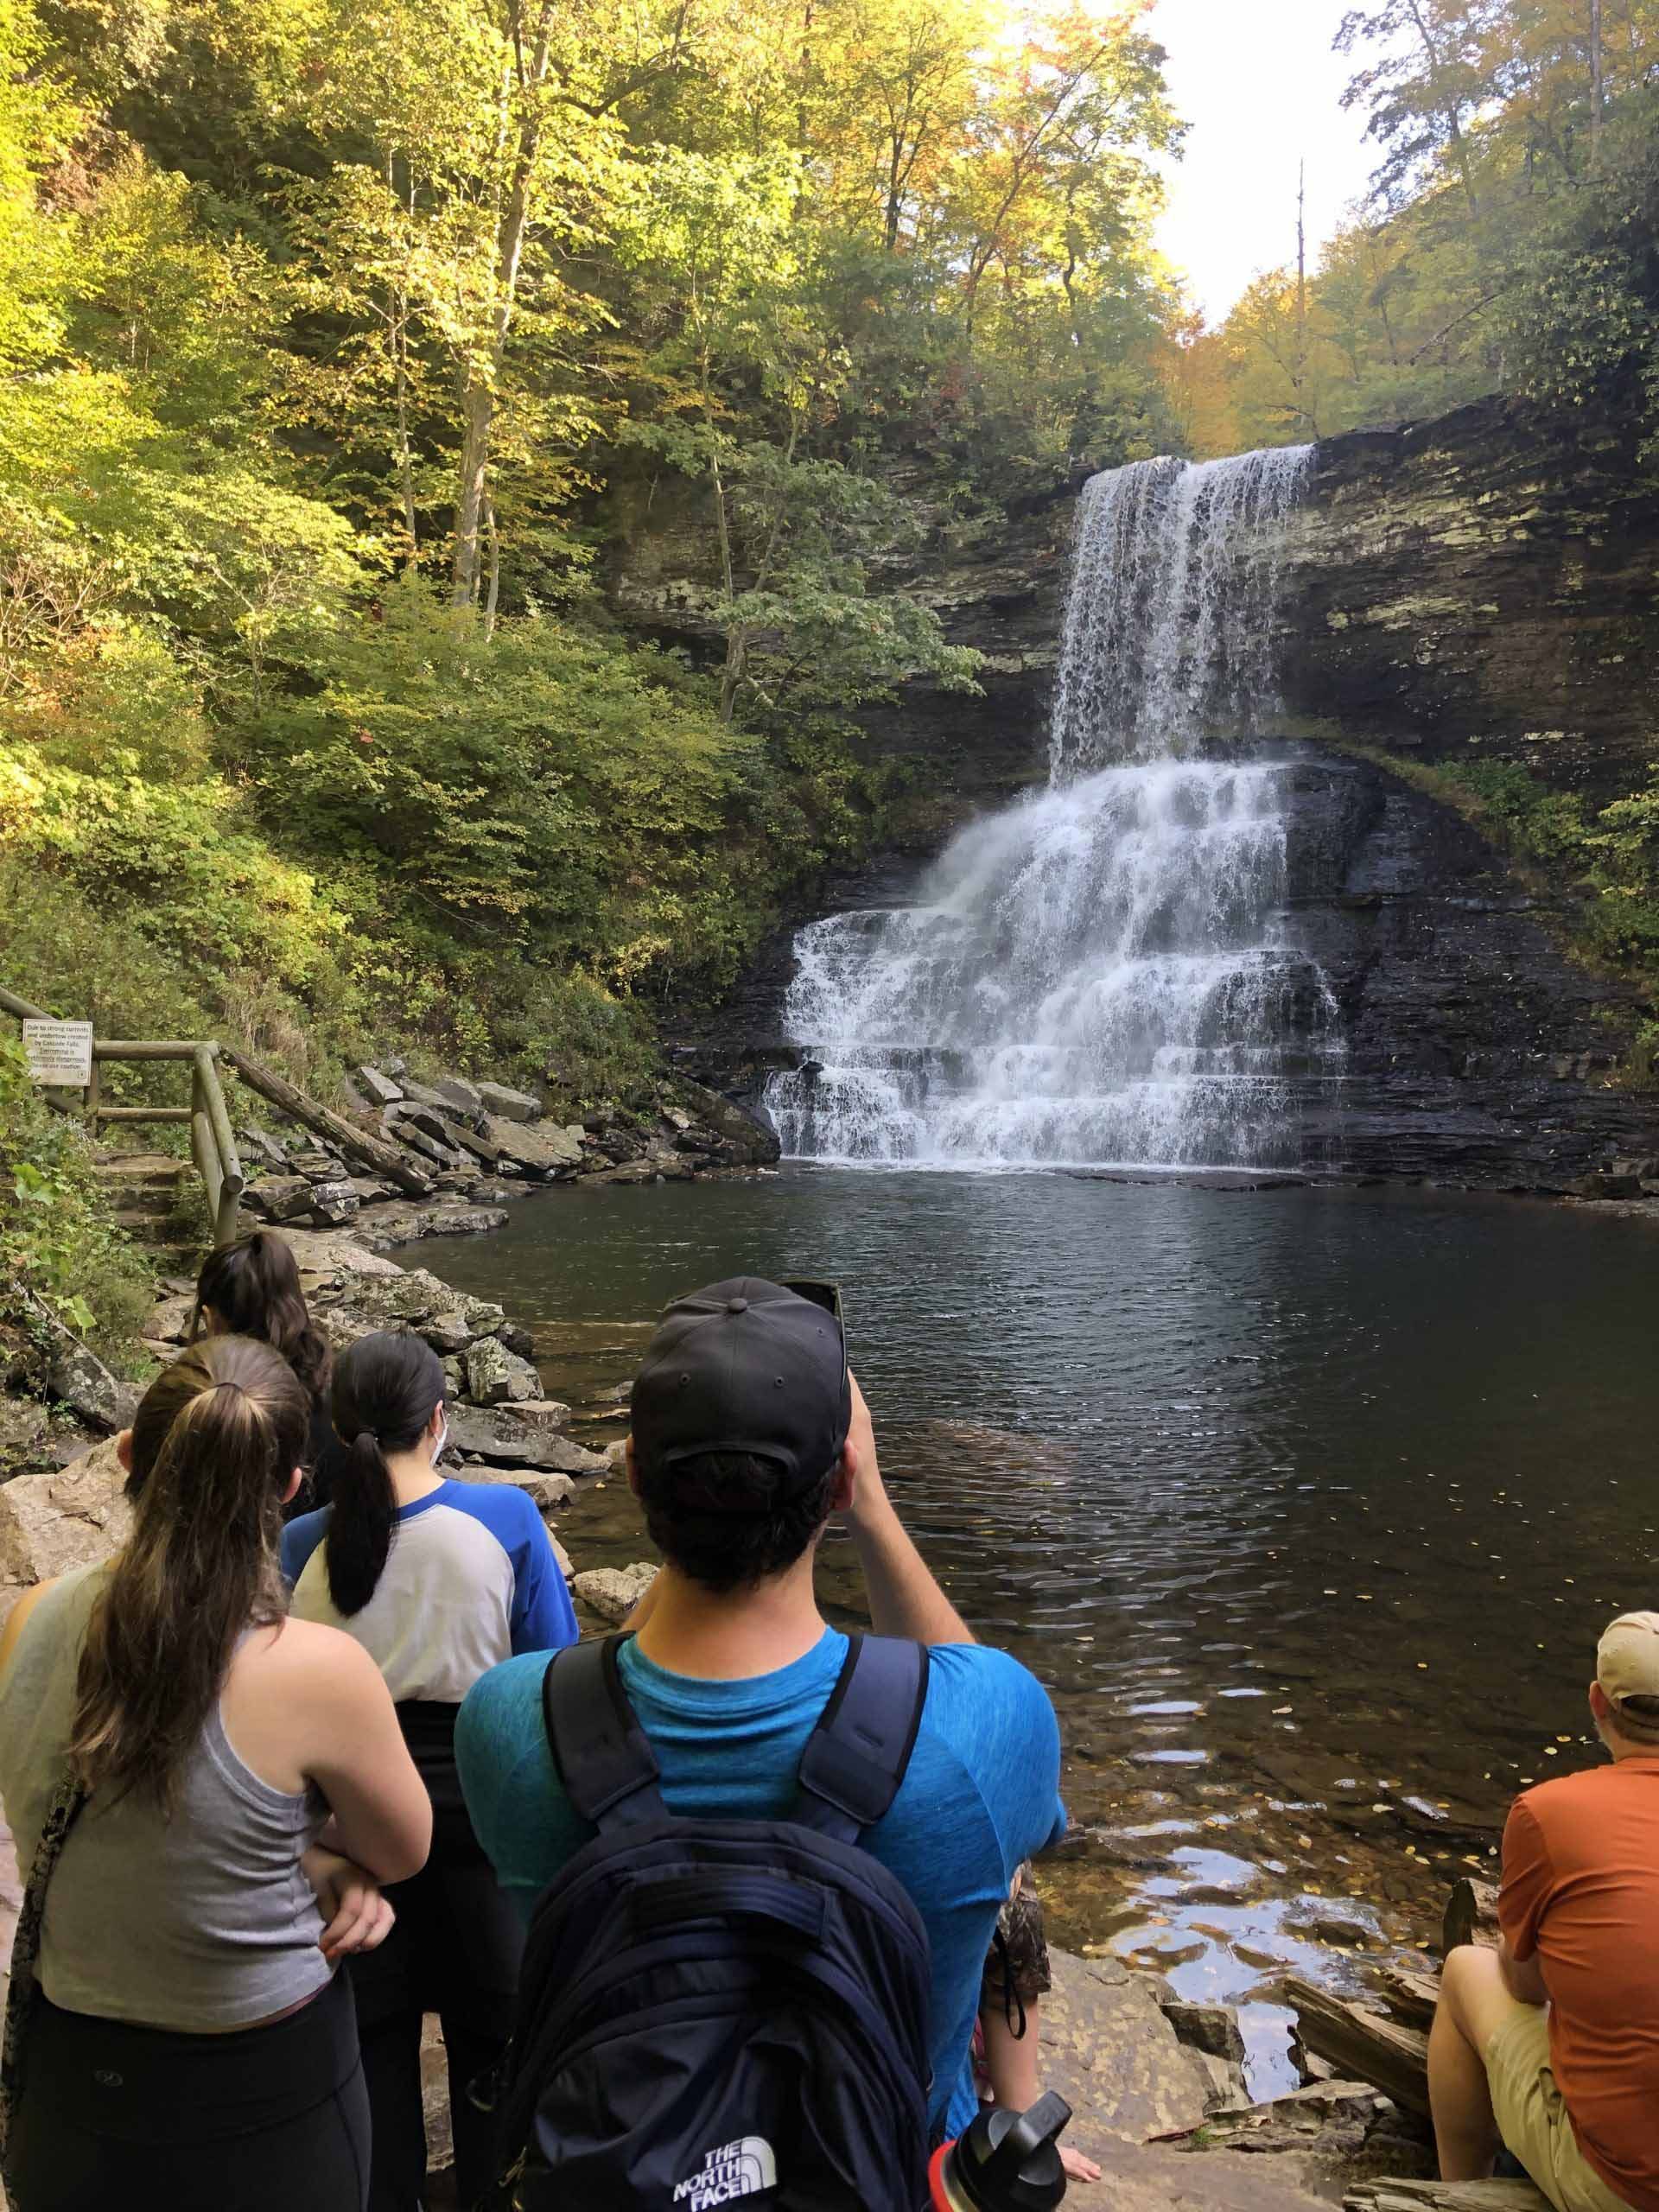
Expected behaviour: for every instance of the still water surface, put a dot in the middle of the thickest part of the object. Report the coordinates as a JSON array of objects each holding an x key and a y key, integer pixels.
[{"x": 1308, "y": 1505}]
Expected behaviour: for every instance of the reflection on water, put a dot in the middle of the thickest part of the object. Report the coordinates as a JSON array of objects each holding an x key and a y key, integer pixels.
[{"x": 1308, "y": 1506}]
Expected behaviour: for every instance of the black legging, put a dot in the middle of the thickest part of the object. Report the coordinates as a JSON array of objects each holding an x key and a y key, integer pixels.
[
  {"x": 455, "y": 1951},
  {"x": 265, "y": 2120}
]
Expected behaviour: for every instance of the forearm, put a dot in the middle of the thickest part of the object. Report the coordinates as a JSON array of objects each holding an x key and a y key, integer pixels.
[
  {"x": 1523, "y": 1979},
  {"x": 904, "y": 1600},
  {"x": 1010, "y": 2060}
]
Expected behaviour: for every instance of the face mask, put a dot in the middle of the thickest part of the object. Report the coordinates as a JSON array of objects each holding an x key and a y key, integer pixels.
[{"x": 439, "y": 1448}]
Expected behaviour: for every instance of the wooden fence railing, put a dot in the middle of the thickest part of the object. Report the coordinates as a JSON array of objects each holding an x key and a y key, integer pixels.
[{"x": 212, "y": 1146}]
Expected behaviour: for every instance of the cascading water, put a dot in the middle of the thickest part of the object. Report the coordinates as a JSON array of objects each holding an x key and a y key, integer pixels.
[{"x": 1098, "y": 974}]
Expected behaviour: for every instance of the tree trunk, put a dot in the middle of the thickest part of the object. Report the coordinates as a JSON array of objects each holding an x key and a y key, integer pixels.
[
  {"x": 736, "y": 643},
  {"x": 480, "y": 387},
  {"x": 406, "y": 456},
  {"x": 494, "y": 594},
  {"x": 475, "y": 469},
  {"x": 1300, "y": 380},
  {"x": 1454, "y": 122},
  {"x": 1596, "y": 83},
  {"x": 386, "y": 1159},
  {"x": 398, "y": 331}
]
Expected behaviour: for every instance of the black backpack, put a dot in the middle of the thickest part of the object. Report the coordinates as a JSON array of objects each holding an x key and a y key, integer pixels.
[{"x": 723, "y": 2012}]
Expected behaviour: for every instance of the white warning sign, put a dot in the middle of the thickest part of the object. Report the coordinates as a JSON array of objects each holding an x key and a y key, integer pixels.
[{"x": 59, "y": 1053}]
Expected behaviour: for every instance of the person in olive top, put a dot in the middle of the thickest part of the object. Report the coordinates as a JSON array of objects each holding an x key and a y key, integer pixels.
[
  {"x": 1551, "y": 2041},
  {"x": 246, "y": 1789}
]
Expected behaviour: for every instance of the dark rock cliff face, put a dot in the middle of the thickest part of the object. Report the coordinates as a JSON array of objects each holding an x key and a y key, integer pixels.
[
  {"x": 1475, "y": 1051},
  {"x": 1486, "y": 579},
  {"x": 1480, "y": 587}
]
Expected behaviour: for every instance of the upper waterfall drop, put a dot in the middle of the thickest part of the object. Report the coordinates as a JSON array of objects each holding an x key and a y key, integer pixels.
[
  {"x": 1099, "y": 974},
  {"x": 1168, "y": 633}
]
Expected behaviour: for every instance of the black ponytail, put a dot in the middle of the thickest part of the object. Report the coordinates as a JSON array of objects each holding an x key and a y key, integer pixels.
[{"x": 385, "y": 1387}]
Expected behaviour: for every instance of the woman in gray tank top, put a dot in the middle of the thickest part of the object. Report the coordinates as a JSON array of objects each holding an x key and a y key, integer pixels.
[{"x": 189, "y": 2042}]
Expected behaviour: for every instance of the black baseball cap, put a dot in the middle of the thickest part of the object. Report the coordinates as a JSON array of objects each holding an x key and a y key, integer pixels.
[{"x": 744, "y": 1366}]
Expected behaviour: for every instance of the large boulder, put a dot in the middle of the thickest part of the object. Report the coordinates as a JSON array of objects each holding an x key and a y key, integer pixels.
[
  {"x": 741, "y": 1141},
  {"x": 279, "y": 1199},
  {"x": 614, "y": 1591},
  {"x": 509, "y": 1105},
  {"x": 456, "y": 1091},
  {"x": 550, "y": 1493},
  {"x": 495, "y": 1375},
  {"x": 415, "y": 1295},
  {"x": 379, "y": 1088},
  {"x": 544, "y": 1150},
  {"x": 169, "y": 1320},
  {"x": 326, "y": 1257},
  {"x": 422, "y": 1094},
  {"x": 473, "y": 1436},
  {"x": 447, "y": 1332},
  {"x": 333, "y": 1203},
  {"x": 53, "y": 1521},
  {"x": 256, "y": 1140},
  {"x": 79, "y": 1378},
  {"x": 25, "y": 1436}
]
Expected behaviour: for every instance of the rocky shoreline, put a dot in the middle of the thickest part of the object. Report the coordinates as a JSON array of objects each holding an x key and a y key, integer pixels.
[{"x": 446, "y": 1158}]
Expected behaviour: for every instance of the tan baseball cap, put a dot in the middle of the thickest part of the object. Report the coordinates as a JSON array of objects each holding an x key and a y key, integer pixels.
[{"x": 1627, "y": 1665}]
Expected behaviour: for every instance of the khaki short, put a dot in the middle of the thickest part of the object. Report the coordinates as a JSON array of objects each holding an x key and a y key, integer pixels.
[{"x": 1532, "y": 2116}]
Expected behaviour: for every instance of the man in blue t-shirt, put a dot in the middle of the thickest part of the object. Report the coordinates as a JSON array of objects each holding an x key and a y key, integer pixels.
[{"x": 748, "y": 1434}]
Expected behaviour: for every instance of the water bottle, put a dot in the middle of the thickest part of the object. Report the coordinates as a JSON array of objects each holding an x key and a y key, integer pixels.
[{"x": 1006, "y": 2162}]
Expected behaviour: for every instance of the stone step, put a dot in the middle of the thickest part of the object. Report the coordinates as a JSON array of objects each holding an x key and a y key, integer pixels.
[
  {"x": 147, "y": 1182},
  {"x": 138, "y": 1167}
]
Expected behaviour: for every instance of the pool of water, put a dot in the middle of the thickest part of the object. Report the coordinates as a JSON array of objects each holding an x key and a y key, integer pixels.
[{"x": 1308, "y": 1505}]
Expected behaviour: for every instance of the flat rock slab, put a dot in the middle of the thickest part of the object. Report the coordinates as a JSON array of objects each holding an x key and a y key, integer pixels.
[
  {"x": 1197, "y": 1178},
  {"x": 1109, "y": 2052},
  {"x": 614, "y": 1591},
  {"x": 50, "y": 1522},
  {"x": 322, "y": 1255}
]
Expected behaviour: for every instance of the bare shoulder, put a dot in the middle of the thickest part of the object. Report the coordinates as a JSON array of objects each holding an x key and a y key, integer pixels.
[
  {"x": 306, "y": 1660},
  {"x": 17, "y": 1619}
]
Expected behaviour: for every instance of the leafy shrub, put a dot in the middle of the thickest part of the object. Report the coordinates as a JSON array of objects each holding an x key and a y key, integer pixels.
[
  {"x": 1614, "y": 859},
  {"x": 1525, "y": 813},
  {"x": 64, "y": 1264}
]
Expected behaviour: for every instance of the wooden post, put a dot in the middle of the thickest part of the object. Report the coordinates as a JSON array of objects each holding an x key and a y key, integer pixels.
[
  {"x": 203, "y": 1150},
  {"x": 1471, "y": 1915}
]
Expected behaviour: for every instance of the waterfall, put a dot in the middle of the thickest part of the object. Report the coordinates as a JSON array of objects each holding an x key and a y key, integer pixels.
[
  {"x": 1100, "y": 973},
  {"x": 1168, "y": 633}
]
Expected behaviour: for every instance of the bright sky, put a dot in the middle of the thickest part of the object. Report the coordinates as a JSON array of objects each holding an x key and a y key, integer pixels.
[{"x": 1260, "y": 90}]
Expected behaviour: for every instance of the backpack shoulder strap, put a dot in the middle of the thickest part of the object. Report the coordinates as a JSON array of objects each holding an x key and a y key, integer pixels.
[
  {"x": 855, "y": 1757},
  {"x": 603, "y": 1758}
]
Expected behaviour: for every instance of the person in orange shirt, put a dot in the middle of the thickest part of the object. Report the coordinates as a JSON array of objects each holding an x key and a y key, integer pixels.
[{"x": 1550, "y": 2044}]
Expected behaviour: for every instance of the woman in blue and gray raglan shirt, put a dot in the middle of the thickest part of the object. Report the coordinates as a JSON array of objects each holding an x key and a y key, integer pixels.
[{"x": 439, "y": 1581}]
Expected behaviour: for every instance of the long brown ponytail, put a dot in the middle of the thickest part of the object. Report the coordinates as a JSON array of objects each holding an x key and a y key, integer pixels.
[{"x": 213, "y": 1444}]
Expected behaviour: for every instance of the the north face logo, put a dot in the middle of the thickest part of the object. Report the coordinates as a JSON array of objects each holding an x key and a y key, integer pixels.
[{"x": 731, "y": 2171}]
